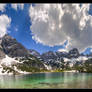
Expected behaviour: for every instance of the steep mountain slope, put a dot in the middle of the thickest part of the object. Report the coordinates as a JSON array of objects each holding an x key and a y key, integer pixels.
[
  {"x": 74, "y": 53},
  {"x": 12, "y": 48},
  {"x": 15, "y": 58},
  {"x": 35, "y": 53},
  {"x": 48, "y": 56},
  {"x": 56, "y": 59},
  {"x": 2, "y": 54}
]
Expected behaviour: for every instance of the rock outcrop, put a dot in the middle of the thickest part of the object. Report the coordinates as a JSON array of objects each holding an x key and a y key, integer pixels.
[{"x": 12, "y": 48}]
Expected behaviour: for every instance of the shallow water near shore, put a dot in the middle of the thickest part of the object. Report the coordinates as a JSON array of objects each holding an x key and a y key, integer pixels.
[{"x": 47, "y": 80}]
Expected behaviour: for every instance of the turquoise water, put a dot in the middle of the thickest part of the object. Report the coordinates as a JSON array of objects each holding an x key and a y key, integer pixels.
[{"x": 47, "y": 80}]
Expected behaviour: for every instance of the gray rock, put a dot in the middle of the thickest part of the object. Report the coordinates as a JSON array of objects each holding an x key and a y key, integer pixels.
[
  {"x": 2, "y": 54},
  {"x": 35, "y": 53},
  {"x": 74, "y": 53},
  {"x": 12, "y": 48}
]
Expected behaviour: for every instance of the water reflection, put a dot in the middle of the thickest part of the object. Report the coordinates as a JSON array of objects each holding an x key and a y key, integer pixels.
[{"x": 47, "y": 80}]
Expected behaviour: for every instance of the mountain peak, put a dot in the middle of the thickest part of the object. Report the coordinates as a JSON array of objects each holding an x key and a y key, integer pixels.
[
  {"x": 13, "y": 48},
  {"x": 34, "y": 53},
  {"x": 74, "y": 53}
]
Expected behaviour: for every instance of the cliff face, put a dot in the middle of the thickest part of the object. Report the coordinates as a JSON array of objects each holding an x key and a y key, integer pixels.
[
  {"x": 35, "y": 53},
  {"x": 2, "y": 54},
  {"x": 12, "y": 48},
  {"x": 74, "y": 53}
]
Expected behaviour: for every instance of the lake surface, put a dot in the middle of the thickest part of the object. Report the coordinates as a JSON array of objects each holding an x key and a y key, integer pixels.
[{"x": 47, "y": 80}]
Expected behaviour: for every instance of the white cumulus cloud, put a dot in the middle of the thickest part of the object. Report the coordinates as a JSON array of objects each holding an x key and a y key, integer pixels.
[
  {"x": 53, "y": 24},
  {"x": 2, "y": 7},
  {"x": 4, "y": 24},
  {"x": 16, "y": 6}
]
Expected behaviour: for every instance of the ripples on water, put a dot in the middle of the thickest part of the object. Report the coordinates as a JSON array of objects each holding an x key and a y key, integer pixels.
[{"x": 47, "y": 80}]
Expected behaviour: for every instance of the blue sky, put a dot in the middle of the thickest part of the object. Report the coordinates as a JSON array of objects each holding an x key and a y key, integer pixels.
[{"x": 20, "y": 29}]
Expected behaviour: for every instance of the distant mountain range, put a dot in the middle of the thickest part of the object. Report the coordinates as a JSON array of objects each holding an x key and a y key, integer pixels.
[
  {"x": 15, "y": 58},
  {"x": 54, "y": 59}
]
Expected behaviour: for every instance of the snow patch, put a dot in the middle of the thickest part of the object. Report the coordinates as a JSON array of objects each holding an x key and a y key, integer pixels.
[
  {"x": 8, "y": 61},
  {"x": 19, "y": 71},
  {"x": 66, "y": 59},
  {"x": 5, "y": 73},
  {"x": 82, "y": 58},
  {"x": 62, "y": 50},
  {"x": 47, "y": 67}
]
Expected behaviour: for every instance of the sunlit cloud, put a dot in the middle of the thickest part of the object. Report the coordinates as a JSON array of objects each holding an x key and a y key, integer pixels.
[
  {"x": 4, "y": 24},
  {"x": 16, "y": 6},
  {"x": 2, "y": 7},
  {"x": 53, "y": 24}
]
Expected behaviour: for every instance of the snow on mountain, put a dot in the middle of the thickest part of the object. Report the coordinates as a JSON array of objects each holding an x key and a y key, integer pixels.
[
  {"x": 82, "y": 58},
  {"x": 8, "y": 61},
  {"x": 62, "y": 50},
  {"x": 66, "y": 59},
  {"x": 47, "y": 67},
  {"x": 13, "y": 53},
  {"x": 5, "y": 73}
]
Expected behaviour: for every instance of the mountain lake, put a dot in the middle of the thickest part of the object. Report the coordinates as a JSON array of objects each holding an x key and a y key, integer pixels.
[{"x": 55, "y": 80}]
